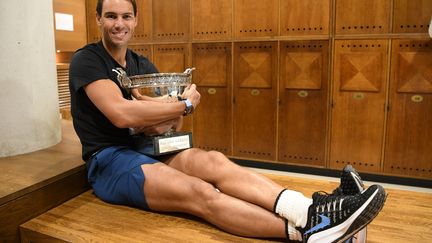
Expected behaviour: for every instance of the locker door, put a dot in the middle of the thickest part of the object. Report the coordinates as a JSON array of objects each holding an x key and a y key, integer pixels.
[
  {"x": 303, "y": 92},
  {"x": 211, "y": 19},
  {"x": 304, "y": 17},
  {"x": 409, "y": 129},
  {"x": 362, "y": 17},
  {"x": 171, "y": 57},
  {"x": 412, "y": 16},
  {"x": 171, "y": 20},
  {"x": 255, "y": 97},
  {"x": 256, "y": 18},
  {"x": 213, "y": 119},
  {"x": 144, "y": 50},
  {"x": 359, "y": 93}
]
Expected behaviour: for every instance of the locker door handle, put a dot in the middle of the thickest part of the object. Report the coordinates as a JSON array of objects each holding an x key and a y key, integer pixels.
[
  {"x": 416, "y": 98},
  {"x": 211, "y": 91},
  {"x": 303, "y": 93},
  {"x": 255, "y": 92}
]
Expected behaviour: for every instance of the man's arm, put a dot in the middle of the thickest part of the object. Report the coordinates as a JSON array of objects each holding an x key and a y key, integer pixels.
[{"x": 124, "y": 113}]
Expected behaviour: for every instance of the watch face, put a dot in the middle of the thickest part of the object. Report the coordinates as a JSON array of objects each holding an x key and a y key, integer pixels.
[{"x": 188, "y": 103}]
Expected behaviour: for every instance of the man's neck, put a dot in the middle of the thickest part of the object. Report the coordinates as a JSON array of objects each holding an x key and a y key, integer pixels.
[{"x": 118, "y": 53}]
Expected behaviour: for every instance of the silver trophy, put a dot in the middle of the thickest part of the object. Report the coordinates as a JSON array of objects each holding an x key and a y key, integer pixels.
[{"x": 167, "y": 87}]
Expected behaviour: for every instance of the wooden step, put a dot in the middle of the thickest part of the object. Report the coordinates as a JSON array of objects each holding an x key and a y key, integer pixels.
[
  {"x": 406, "y": 217},
  {"x": 33, "y": 183}
]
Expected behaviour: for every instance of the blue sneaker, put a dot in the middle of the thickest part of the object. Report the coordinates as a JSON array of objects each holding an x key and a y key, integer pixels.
[{"x": 336, "y": 218}]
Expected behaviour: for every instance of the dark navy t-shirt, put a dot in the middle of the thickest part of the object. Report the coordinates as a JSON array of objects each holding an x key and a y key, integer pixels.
[{"x": 89, "y": 64}]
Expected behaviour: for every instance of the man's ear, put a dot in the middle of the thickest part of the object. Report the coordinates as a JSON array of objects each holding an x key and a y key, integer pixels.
[
  {"x": 98, "y": 20},
  {"x": 136, "y": 20}
]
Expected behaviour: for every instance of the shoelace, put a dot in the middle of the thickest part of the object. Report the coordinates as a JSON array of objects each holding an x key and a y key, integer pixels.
[{"x": 330, "y": 205}]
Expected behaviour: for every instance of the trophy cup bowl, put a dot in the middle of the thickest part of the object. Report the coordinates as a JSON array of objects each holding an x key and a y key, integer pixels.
[{"x": 168, "y": 87}]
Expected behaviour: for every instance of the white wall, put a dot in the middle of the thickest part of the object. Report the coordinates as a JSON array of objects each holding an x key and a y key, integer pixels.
[{"x": 29, "y": 115}]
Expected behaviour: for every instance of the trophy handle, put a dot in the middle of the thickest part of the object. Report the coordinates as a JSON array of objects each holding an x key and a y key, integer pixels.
[
  {"x": 122, "y": 78},
  {"x": 188, "y": 71}
]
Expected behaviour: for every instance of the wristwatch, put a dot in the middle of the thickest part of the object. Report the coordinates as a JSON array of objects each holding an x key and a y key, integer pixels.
[{"x": 189, "y": 107}]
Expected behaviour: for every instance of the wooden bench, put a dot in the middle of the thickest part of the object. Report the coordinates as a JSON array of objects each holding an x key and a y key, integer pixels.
[
  {"x": 406, "y": 217},
  {"x": 33, "y": 183},
  {"x": 52, "y": 184},
  {"x": 86, "y": 218}
]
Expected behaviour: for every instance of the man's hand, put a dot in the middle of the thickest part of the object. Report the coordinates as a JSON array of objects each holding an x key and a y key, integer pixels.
[
  {"x": 192, "y": 94},
  {"x": 160, "y": 128}
]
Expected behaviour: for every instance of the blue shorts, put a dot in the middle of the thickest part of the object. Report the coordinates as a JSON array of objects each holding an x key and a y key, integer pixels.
[{"x": 116, "y": 176}]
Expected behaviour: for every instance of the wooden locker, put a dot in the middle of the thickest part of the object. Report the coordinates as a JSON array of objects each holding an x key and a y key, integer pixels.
[
  {"x": 173, "y": 58},
  {"x": 303, "y": 106},
  {"x": 171, "y": 20},
  {"x": 212, "y": 118},
  {"x": 412, "y": 16},
  {"x": 362, "y": 17},
  {"x": 256, "y": 18},
  {"x": 211, "y": 19},
  {"x": 409, "y": 129},
  {"x": 255, "y": 100},
  {"x": 143, "y": 29},
  {"x": 304, "y": 17},
  {"x": 144, "y": 50},
  {"x": 359, "y": 97},
  {"x": 93, "y": 32}
]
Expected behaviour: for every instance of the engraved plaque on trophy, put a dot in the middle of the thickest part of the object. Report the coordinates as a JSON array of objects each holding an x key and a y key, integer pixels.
[{"x": 167, "y": 87}]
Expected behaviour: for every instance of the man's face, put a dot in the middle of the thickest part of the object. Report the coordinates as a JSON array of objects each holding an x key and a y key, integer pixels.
[{"x": 117, "y": 22}]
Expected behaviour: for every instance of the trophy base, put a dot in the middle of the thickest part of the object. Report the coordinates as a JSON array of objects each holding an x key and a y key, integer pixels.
[{"x": 163, "y": 144}]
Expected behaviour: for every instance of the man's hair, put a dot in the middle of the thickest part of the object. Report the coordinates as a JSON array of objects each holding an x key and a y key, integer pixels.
[{"x": 100, "y": 3}]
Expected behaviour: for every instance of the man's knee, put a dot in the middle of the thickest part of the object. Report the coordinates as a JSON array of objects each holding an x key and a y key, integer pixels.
[
  {"x": 219, "y": 160},
  {"x": 205, "y": 194}
]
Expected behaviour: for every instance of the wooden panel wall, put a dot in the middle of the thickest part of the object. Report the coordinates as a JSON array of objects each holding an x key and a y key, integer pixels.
[
  {"x": 304, "y": 82},
  {"x": 69, "y": 41}
]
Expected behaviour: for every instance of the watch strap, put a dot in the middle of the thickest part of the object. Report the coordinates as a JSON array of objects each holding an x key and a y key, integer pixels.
[{"x": 189, "y": 107}]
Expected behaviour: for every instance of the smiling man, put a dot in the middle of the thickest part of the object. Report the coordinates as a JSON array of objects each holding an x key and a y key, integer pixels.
[{"x": 202, "y": 183}]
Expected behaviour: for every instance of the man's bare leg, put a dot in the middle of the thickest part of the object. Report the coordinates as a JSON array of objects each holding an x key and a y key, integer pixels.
[
  {"x": 228, "y": 177},
  {"x": 169, "y": 190}
]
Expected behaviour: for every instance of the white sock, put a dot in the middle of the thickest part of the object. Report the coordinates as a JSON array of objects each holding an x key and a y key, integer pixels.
[
  {"x": 293, "y": 233},
  {"x": 293, "y": 206}
]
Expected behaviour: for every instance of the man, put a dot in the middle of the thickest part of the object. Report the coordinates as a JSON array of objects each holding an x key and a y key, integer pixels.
[{"x": 201, "y": 183}]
